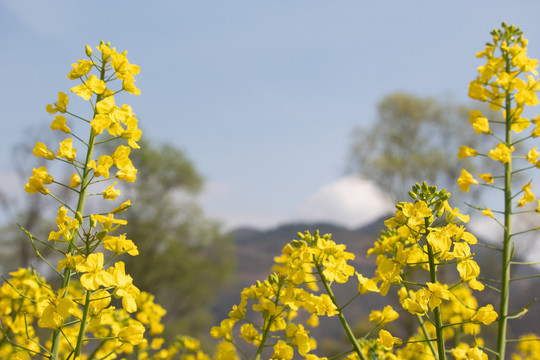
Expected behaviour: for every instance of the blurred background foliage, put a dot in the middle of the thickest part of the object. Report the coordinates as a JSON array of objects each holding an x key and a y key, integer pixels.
[{"x": 415, "y": 139}]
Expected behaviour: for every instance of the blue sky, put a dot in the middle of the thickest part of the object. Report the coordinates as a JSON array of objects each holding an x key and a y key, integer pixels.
[{"x": 261, "y": 95}]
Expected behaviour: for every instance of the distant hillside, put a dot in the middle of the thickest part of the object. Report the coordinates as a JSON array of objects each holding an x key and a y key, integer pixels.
[{"x": 256, "y": 249}]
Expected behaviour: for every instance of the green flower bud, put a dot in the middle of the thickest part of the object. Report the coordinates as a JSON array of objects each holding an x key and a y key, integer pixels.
[{"x": 79, "y": 217}]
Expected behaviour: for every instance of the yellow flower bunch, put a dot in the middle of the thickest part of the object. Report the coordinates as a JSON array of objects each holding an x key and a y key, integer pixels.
[
  {"x": 508, "y": 83},
  {"x": 84, "y": 307},
  {"x": 424, "y": 236},
  {"x": 293, "y": 290},
  {"x": 27, "y": 303},
  {"x": 277, "y": 302}
]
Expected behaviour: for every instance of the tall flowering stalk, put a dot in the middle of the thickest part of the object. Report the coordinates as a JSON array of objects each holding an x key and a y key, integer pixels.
[
  {"x": 424, "y": 237},
  {"x": 508, "y": 83},
  {"x": 288, "y": 292},
  {"x": 81, "y": 311}
]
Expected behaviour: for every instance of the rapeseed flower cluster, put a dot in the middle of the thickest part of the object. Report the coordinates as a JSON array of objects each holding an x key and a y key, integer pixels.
[
  {"x": 82, "y": 312},
  {"x": 508, "y": 82},
  {"x": 423, "y": 237},
  {"x": 288, "y": 295}
]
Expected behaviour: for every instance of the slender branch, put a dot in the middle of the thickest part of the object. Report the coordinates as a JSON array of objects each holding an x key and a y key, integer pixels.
[
  {"x": 520, "y": 340},
  {"x": 525, "y": 277},
  {"x": 268, "y": 325},
  {"x": 507, "y": 252},
  {"x": 342, "y": 319}
]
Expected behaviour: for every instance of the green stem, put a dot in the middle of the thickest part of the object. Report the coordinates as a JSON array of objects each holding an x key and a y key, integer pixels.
[
  {"x": 437, "y": 310},
  {"x": 264, "y": 337},
  {"x": 507, "y": 245},
  {"x": 82, "y": 328},
  {"x": 267, "y": 328},
  {"x": 342, "y": 319}
]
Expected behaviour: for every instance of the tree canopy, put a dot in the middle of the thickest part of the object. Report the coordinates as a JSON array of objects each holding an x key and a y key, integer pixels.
[
  {"x": 413, "y": 139},
  {"x": 185, "y": 257}
]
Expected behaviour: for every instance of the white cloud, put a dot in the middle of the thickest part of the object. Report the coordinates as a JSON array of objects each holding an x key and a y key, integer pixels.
[
  {"x": 348, "y": 201},
  {"x": 227, "y": 203}
]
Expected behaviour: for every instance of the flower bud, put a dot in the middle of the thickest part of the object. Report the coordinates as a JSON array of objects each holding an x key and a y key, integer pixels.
[
  {"x": 79, "y": 217},
  {"x": 75, "y": 181},
  {"x": 273, "y": 279},
  {"x": 93, "y": 222},
  {"x": 296, "y": 244}
]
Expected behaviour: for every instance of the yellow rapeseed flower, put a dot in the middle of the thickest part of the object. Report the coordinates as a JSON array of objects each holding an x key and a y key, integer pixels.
[
  {"x": 527, "y": 197},
  {"x": 465, "y": 151},
  {"x": 479, "y": 123},
  {"x": 466, "y": 180},
  {"x": 488, "y": 212},
  {"x": 133, "y": 334},
  {"x": 387, "y": 341},
  {"x": 282, "y": 351},
  {"x": 102, "y": 167},
  {"x": 92, "y": 85},
  {"x": 60, "y": 105},
  {"x": 59, "y": 123},
  {"x": 74, "y": 181},
  {"x": 250, "y": 334},
  {"x": 110, "y": 192},
  {"x": 56, "y": 312},
  {"x": 488, "y": 178},
  {"x": 485, "y": 315},
  {"x": 381, "y": 317},
  {"x": 93, "y": 274},
  {"x": 36, "y": 182},
  {"x": 366, "y": 285},
  {"x": 40, "y": 150},
  {"x": 80, "y": 68},
  {"x": 502, "y": 153},
  {"x": 438, "y": 293},
  {"x": 532, "y": 156},
  {"x": 66, "y": 150},
  {"x": 120, "y": 245}
]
